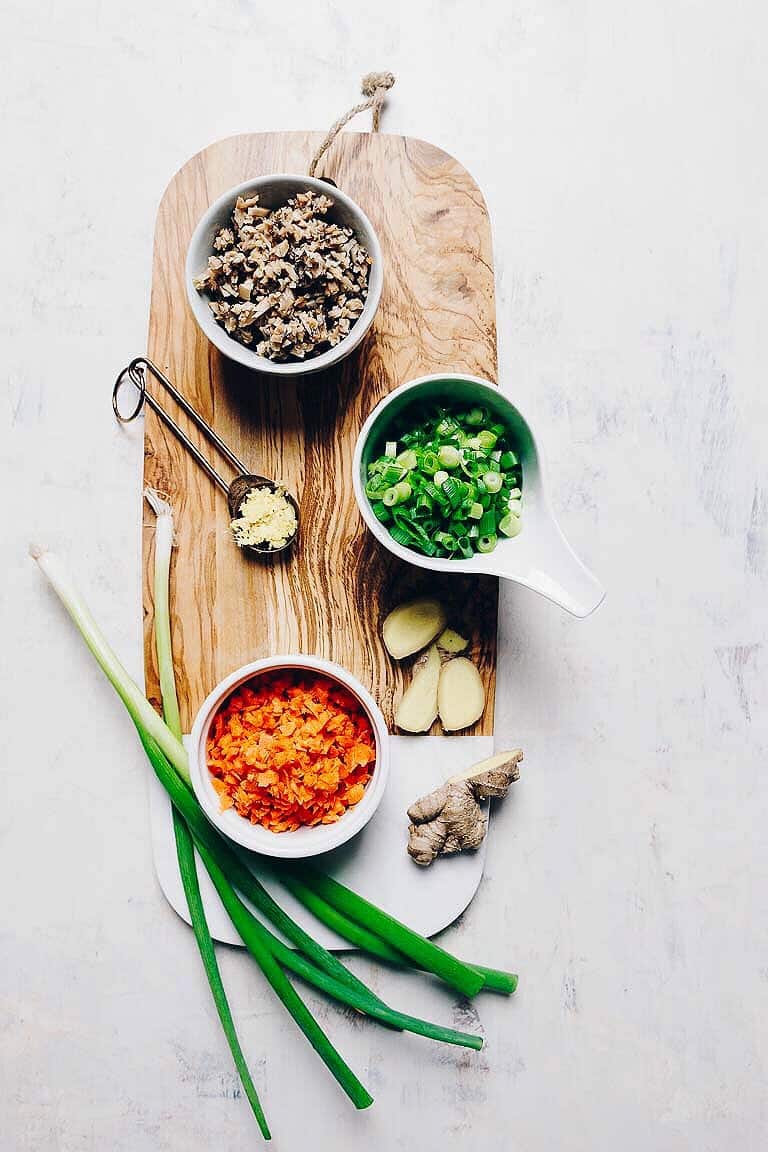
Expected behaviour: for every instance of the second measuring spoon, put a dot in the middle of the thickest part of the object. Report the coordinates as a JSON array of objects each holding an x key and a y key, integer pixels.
[{"x": 239, "y": 488}]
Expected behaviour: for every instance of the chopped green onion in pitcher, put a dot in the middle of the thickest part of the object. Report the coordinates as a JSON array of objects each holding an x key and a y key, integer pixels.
[{"x": 449, "y": 486}]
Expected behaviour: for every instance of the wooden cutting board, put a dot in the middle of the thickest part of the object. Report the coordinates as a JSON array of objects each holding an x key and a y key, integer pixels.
[{"x": 437, "y": 314}]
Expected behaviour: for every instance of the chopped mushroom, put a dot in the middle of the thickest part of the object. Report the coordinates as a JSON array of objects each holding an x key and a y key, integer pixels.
[{"x": 287, "y": 281}]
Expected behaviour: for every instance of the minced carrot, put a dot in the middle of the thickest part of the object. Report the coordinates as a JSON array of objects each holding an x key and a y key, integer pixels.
[{"x": 291, "y": 749}]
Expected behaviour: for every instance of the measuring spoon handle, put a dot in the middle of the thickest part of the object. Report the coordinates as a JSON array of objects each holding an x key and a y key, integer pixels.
[{"x": 136, "y": 373}]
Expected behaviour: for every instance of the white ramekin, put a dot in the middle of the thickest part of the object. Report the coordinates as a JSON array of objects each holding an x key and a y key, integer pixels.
[
  {"x": 273, "y": 191},
  {"x": 305, "y": 841}
]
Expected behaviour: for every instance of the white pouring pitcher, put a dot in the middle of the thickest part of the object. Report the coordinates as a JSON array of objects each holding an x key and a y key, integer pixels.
[{"x": 539, "y": 557}]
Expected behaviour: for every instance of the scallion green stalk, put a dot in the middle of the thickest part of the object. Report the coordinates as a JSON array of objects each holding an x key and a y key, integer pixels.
[
  {"x": 188, "y": 870},
  {"x": 251, "y": 887},
  {"x": 185, "y": 852},
  {"x": 350, "y": 930},
  {"x": 432, "y": 957},
  {"x": 253, "y": 931},
  {"x": 496, "y": 979},
  {"x": 262, "y": 953}
]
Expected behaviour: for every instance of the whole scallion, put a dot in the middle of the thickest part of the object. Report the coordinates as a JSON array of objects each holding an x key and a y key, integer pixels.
[
  {"x": 312, "y": 963},
  {"x": 155, "y": 735},
  {"x": 185, "y": 852}
]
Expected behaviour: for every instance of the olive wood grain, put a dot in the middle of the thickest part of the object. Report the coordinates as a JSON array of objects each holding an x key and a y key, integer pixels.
[{"x": 329, "y": 595}]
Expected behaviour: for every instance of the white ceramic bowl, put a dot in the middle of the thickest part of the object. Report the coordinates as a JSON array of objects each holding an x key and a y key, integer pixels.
[
  {"x": 540, "y": 557},
  {"x": 305, "y": 841},
  {"x": 274, "y": 191}
]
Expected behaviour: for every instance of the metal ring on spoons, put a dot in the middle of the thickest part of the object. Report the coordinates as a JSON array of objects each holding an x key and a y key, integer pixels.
[{"x": 243, "y": 483}]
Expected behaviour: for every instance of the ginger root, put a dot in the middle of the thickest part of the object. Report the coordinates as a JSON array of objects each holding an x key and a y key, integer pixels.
[{"x": 450, "y": 819}]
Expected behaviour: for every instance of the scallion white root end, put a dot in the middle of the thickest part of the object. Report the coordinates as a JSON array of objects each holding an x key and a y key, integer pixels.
[
  {"x": 161, "y": 589},
  {"x": 141, "y": 711}
]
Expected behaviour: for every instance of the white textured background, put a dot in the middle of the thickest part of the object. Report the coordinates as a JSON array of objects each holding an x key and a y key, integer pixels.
[{"x": 621, "y": 148}]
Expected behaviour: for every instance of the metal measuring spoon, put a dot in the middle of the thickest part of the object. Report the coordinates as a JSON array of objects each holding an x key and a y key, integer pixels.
[
  {"x": 237, "y": 492},
  {"x": 243, "y": 483}
]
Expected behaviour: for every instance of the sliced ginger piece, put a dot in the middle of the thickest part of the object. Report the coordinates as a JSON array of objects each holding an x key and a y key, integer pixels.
[
  {"x": 412, "y": 626},
  {"x": 417, "y": 711},
  {"x": 450, "y": 819},
  {"x": 493, "y": 775},
  {"x": 460, "y": 694},
  {"x": 450, "y": 641}
]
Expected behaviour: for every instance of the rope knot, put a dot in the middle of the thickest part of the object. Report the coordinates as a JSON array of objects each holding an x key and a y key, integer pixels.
[
  {"x": 373, "y": 81},
  {"x": 374, "y": 87}
]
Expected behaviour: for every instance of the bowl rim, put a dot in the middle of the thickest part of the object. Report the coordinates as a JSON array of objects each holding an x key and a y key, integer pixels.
[
  {"x": 240, "y": 353},
  {"x": 479, "y": 562},
  {"x": 305, "y": 842}
]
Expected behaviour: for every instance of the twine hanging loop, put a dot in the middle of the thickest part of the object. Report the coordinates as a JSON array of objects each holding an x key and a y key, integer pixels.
[{"x": 374, "y": 87}]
